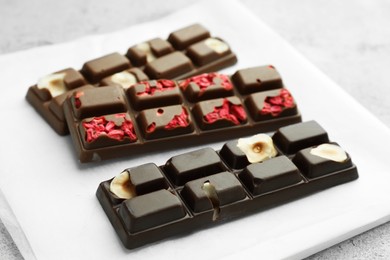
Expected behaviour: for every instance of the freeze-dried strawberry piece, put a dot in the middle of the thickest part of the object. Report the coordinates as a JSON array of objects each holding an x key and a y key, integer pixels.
[
  {"x": 207, "y": 79},
  {"x": 77, "y": 101},
  {"x": 228, "y": 111},
  {"x": 178, "y": 121},
  {"x": 276, "y": 104},
  {"x": 99, "y": 126},
  {"x": 159, "y": 86}
]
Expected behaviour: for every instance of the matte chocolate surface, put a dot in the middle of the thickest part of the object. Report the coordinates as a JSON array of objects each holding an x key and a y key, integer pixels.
[
  {"x": 162, "y": 114},
  {"x": 201, "y": 188},
  {"x": 187, "y": 52}
]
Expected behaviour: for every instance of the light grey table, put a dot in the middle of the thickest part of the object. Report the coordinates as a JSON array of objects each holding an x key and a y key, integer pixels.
[{"x": 348, "y": 40}]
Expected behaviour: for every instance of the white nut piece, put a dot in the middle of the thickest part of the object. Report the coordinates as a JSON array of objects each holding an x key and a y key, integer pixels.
[
  {"x": 122, "y": 187},
  {"x": 54, "y": 83},
  {"x": 217, "y": 45},
  {"x": 145, "y": 47},
  {"x": 330, "y": 151},
  {"x": 124, "y": 78},
  {"x": 257, "y": 148}
]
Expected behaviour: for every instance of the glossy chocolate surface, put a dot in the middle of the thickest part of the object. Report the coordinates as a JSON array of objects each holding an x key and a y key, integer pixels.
[
  {"x": 152, "y": 59},
  {"x": 162, "y": 114},
  {"x": 203, "y": 189}
]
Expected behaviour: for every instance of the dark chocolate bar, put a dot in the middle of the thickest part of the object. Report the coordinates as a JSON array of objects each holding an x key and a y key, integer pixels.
[
  {"x": 109, "y": 122},
  {"x": 203, "y": 188},
  {"x": 186, "y": 52}
]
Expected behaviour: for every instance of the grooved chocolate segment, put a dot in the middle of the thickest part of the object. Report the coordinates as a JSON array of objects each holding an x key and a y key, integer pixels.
[
  {"x": 228, "y": 190},
  {"x": 290, "y": 139},
  {"x": 257, "y": 79},
  {"x": 156, "y": 57},
  {"x": 313, "y": 166},
  {"x": 165, "y": 115},
  {"x": 202, "y": 54},
  {"x": 99, "y": 68},
  {"x": 189, "y": 166},
  {"x": 203, "y": 192},
  {"x": 183, "y": 38},
  {"x": 272, "y": 174},
  {"x": 149, "y": 210}
]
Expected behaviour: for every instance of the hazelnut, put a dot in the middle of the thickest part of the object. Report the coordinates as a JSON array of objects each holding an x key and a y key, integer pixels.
[
  {"x": 217, "y": 45},
  {"x": 145, "y": 47},
  {"x": 122, "y": 187},
  {"x": 257, "y": 148},
  {"x": 330, "y": 151},
  {"x": 54, "y": 83},
  {"x": 124, "y": 78}
]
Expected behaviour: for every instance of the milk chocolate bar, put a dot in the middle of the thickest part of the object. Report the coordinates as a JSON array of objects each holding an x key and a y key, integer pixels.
[
  {"x": 154, "y": 115},
  {"x": 187, "y": 52},
  {"x": 204, "y": 188}
]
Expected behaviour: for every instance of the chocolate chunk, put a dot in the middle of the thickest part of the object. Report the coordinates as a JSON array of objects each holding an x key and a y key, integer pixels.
[
  {"x": 125, "y": 78},
  {"x": 169, "y": 66},
  {"x": 165, "y": 122},
  {"x": 313, "y": 166},
  {"x": 227, "y": 188},
  {"x": 193, "y": 165},
  {"x": 151, "y": 210},
  {"x": 183, "y": 38},
  {"x": 233, "y": 156},
  {"x": 154, "y": 93},
  {"x": 270, "y": 175},
  {"x": 257, "y": 79},
  {"x": 99, "y": 101},
  {"x": 290, "y": 139},
  {"x": 208, "y": 51},
  {"x": 145, "y": 52},
  {"x": 97, "y": 69}
]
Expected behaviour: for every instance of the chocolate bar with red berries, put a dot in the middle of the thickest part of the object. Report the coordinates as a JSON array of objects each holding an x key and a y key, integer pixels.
[
  {"x": 155, "y": 115},
  {"x": 186, "y": 52}
]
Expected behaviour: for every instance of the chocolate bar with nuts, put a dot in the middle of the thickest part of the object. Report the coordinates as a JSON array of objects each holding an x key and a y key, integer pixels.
[
  {"x": 154, "y": 115},
  {"x": 187, "y": 52},
  {"x": 204, "y": 188}
]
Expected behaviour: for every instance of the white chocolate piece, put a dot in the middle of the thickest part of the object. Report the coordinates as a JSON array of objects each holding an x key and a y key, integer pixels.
[
  {"x": 124, "y": 78},
  {"x": 330, "y": 152},
  {"x": 145, "y": 47},
  {"x": 217, "y": 45},
  {"x": 54, "y": 83},
  {"x": 121, "y": 186},
  {"x": 257, "y": 148}
]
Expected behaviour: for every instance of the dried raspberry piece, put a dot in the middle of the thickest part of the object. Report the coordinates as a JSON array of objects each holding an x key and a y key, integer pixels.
[
  {"x": 159, "y": 86},
  {"x": 99, "y": 126},
  {"x": 151, "y": 128},
  {"x": 178, "y": 121},
  {"x": 228, "y": 111},
  {"x": 77, "y": 101},
  {"x": 276, "y": 104},
  {"x": 207, "y": 79}
]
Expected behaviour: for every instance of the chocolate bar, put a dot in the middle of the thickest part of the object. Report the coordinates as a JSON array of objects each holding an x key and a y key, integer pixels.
[
  {"x": 203, "y": 188},
  {"x": 186, "y": 52},
  {"x": 109, "y": 122}
]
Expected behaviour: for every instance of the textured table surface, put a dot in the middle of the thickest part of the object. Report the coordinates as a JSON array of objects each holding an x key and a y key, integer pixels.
[{"x": 348, "y": 40}]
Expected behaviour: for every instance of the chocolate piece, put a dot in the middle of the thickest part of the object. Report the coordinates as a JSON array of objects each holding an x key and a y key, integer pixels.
[
  {"x": 165, "y": 122},
  {"x": 183, "y": 38},
  {"x": 313, "y": 166},
  {"x": 125, "y": 78},
  {"x": 227, "y": 190},
  {"x": 193, "y": 165},
  {"x": 151, "y": 210},
  {"x": 156, "y": 57},
  {"x": 290, "y": 139},
  {"x": 270, "y": 175},
  {"x": 233, "y": 156},
  {"x": 257, "y": 79},
  {"x": 162, "y": 114},
  {"x": 271, "y": 104},
  {"x": 203, "y": 192},
  {"x": 154, "y": 93},
  {"x": 208, "y": 51},
  {"x": 99, "y": 68}
]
